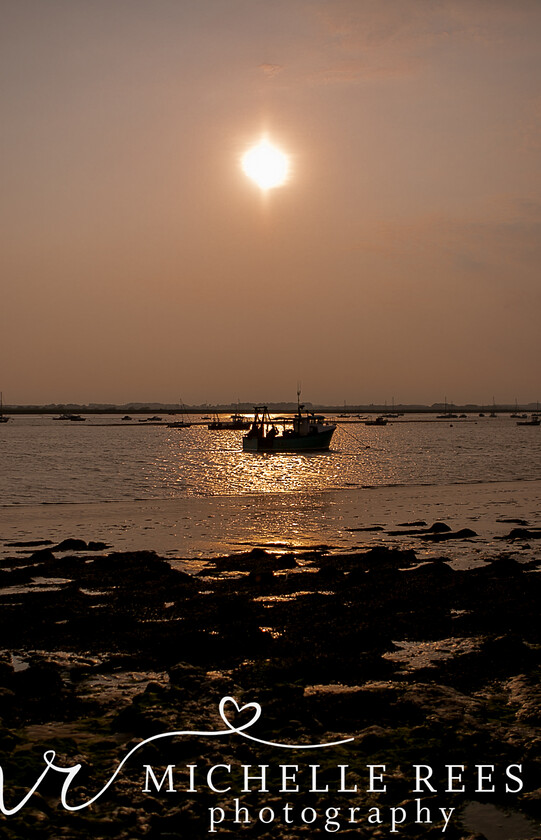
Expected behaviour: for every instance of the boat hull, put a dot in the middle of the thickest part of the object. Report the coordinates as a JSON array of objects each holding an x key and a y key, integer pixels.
[
  {"x": 318, "y": 442},
  {"x": 220, "y": 426}
]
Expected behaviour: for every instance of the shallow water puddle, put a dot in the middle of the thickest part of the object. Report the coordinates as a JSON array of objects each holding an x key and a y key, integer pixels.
[
  {"x": 37, "y": 584},
  {"x": 121, "y": 687},
  {"x": 291, "y": 596},
  {"x": 415, "y": 655},
  {"x": 18, "y": 663},
  {"x": 272, "y": 632},
  {"x": 330, "y": 688},
  {"x": 496, "y": 824}
]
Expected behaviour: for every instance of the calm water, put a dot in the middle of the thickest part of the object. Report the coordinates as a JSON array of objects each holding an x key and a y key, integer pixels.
[{"x": 55, "y": 462}]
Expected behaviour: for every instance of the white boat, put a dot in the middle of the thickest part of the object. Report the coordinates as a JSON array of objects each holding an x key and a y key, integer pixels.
[
  {"x": 534, "y": 420},
  {"x": 75, "y": 418}
]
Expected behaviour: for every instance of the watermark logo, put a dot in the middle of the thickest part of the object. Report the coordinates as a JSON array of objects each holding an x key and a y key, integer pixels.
[{"x": 70, "y": 773}]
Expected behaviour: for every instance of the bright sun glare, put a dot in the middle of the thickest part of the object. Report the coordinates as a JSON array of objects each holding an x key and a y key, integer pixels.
[{"x": 266, "y": 165}]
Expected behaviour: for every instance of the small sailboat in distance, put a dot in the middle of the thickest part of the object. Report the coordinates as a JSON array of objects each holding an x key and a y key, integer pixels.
[
  {"x": 183, "y": 423},
  {"x": 447, "y": 412},
  {"x": 3, "y": 418}
]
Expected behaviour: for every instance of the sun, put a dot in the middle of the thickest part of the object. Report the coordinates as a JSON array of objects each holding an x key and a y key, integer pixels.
[{"x": 266, "y": 165}]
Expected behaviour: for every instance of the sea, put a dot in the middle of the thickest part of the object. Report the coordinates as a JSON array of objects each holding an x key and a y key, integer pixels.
[{"x": 188, "y": 493}]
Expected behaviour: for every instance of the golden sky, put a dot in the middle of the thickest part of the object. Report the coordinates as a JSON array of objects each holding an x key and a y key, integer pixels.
[{"x": 400, "y": 259}]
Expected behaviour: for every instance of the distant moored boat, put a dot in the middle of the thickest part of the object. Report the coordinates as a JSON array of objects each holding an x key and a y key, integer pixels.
[
  {"x": 377, "y": 421},
  {"x": 3, "y": 418},
  {"x": 236, "y": 421}
]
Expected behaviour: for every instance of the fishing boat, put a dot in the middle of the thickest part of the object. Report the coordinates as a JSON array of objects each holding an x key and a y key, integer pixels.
[
  {"x": 236, "y": 421},
  {"x": 304, "y": 432}
]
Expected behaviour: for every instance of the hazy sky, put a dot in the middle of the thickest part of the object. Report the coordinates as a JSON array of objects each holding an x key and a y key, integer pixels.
[{"x": 402, "y": 258}]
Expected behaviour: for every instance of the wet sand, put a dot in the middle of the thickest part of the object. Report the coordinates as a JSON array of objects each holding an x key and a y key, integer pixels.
[
  {"x": 203, "y": 527},
  {"x": 417, "y": 660}
]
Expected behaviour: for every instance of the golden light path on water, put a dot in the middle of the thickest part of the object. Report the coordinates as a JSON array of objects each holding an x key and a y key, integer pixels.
[
  {"x": 191, "y": 492},
  {"x": 299, "y": 516},
  {"x": 226, "y": 469}
]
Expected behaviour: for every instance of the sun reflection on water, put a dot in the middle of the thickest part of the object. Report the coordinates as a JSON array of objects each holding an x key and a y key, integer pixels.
[
  {"x": 110, "y": 462},
  {"x": 196, "y": 462}
]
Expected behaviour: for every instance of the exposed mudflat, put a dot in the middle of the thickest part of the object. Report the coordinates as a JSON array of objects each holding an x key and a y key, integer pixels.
[{"x": 418, "y": 661}]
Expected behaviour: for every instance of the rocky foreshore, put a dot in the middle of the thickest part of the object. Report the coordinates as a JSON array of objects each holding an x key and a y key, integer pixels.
[{"x": 419, "y": 662}]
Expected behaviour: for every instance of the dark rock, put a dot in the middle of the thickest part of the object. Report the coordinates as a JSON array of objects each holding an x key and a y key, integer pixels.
[
  {"x": 263, "y": 578},
  {"x": 38, "y": 680},
  {"x": 257, "y": 553},
  {"x": 431, "y": 574},
  {"x": 504, "y": 654},
  {"x": 134, "y": 719},
  {"x": 185, "y": 675},
  {"x": 436, "y": 528},
  {"x": 439, "y": 528},
  {"x": 71, "y": 545},
  {"x": 42, "y": 555},
  {"x": 368, "y": 528},
  {"x": 331, "y": 574},
  {"x": 8, "y": 700},
  {"x": 523, "y": 534},
  {"x": 256, "y": 560},
  {"x": 29, "y": 544},
  {"x": 463, "y": 534},
  {"x": 388, "y": 557},
  {"x": 506, "y": 565},
  {"x": 16, "y": 577},
  {"x": 6, "y": 674}
]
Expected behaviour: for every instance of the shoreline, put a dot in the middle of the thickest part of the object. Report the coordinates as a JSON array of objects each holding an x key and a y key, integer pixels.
[
  {"x": 194, "y": 527},
  {"x": 401, "y": 621}
]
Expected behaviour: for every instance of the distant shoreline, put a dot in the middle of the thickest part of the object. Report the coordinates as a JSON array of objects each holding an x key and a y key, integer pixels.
[{"x": 248, "y": 407}]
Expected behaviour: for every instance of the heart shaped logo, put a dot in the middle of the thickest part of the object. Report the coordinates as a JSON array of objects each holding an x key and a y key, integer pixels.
[{"x": 238, "y": 710}]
